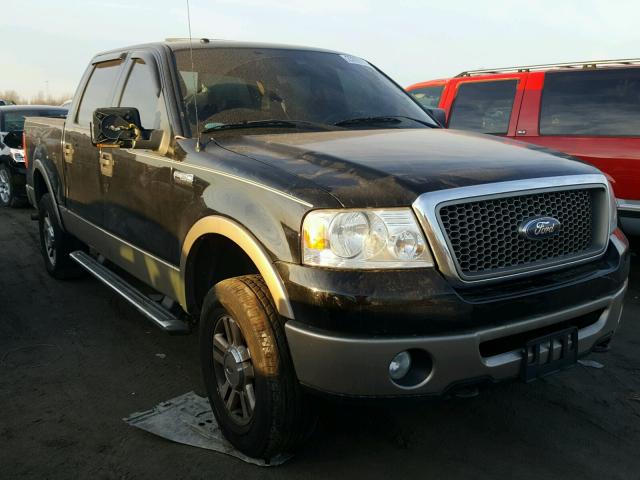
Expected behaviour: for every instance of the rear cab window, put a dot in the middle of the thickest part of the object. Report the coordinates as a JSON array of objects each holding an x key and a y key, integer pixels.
[
  {"x": 428, "y": 97},
  {"x": 99, "y": 90},
  {"x": 591, "y": 103},
  {"x": 483, "y": 106}
]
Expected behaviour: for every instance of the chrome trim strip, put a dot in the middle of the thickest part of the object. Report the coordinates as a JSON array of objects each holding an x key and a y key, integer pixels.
[
  {"x": 426, "y": 208},
  {"x": 628, "y": 205},
  {"x": 179, "y": 165}
]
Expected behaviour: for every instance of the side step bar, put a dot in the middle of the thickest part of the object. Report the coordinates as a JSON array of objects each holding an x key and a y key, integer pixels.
[{"x": 152, "y": 310}]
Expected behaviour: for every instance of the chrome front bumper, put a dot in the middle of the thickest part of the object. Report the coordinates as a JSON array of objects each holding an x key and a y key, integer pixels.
[{"x": 358, "y": 366}]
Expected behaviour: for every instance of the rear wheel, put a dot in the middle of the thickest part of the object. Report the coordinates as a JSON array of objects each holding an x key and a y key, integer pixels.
[
  {"x": 248, "y": 372},
  {"x": 55, "y": 243}
]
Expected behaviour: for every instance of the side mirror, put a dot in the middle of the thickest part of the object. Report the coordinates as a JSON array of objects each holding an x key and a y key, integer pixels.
[
  {"x": 439, "y": 115},
  {"x": 13, "y": 139},
  {"x": 121, "y": 127}
]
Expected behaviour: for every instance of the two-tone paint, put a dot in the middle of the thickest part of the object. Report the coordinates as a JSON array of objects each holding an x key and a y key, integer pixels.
[{"x": 147, "y": 211}]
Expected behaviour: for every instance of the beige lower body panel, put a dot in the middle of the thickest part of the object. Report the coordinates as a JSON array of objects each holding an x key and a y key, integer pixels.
[
  {"x": 162, "y": 276},
  {"x": 358, "y": 366}
]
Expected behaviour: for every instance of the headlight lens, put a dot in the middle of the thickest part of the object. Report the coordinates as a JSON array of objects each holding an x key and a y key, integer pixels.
[{"x": 364, "y": 239}]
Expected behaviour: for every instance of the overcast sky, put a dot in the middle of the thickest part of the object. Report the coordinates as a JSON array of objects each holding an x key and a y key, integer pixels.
[{"x": 46, "y": 44}]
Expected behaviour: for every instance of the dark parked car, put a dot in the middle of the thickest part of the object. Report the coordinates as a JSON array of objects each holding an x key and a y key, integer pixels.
[
  {"x": 321, "y": 231},
  {"x": 12, "y": 166}
]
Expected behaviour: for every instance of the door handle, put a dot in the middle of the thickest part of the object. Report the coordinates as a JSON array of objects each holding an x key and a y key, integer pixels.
[
  {"x": 106, "y": 164},
  {"x": 68, "y": 152}
]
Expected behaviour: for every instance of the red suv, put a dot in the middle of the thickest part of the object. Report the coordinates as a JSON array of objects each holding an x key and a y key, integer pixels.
[{"x": 590, "y": 110}]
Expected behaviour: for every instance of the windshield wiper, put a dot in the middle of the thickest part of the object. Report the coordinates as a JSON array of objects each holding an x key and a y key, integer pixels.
[
  {"x": 379, "y": 120},
  {"x": 269, "y": 123}
]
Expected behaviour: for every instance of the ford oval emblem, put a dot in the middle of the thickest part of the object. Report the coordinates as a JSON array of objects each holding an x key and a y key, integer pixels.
[{"x": 539, "y": 228}]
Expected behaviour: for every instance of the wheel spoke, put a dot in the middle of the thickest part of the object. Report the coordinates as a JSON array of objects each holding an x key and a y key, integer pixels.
[
  {"x": 220, "y": 342},
  {"x": 251, "y": 396},
  {"x": 226, "y": 321},
  {"x": 236, "y": 333},
  {"x": 231, "y": 400},
  {"x": 243, "y": 405},
  {"x": 224, "y": 390}
]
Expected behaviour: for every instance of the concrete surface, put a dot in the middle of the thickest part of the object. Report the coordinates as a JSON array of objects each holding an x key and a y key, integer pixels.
[{"x": 75, "y": 360}]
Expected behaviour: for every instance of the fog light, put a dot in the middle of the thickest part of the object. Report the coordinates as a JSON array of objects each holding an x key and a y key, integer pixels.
[{"x": 400, "y": 365}]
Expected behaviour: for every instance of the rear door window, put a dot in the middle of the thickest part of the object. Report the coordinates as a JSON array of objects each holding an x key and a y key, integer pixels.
[
  {"x": 591, "y": 103},
  {"x": 428, "y": 97},
  {"x": 483, "y": 107},
  {"x": 99, "y": 90},
  {"x": 139, "y": 92}
]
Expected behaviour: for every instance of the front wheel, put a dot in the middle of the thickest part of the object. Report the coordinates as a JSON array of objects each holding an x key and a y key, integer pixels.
[{"x": 248, "y": 373}]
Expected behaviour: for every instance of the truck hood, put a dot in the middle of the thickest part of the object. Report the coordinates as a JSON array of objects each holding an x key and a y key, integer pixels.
[{"x": 391, "y": 167}]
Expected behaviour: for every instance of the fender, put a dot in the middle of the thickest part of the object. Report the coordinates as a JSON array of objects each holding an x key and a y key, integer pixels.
[
  {"x": 249, "y": 244},
  {"x": 40, "y": 167}
]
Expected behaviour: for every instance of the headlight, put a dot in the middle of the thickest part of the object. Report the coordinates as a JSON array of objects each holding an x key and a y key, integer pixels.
[
  {"x": 364, "y": 239},
  {"x": 613, "y": 209},
  {"x": 16, "y": 154}
]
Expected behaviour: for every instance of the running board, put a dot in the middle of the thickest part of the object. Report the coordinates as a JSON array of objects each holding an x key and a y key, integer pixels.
[{"x": 162, "y": 317}]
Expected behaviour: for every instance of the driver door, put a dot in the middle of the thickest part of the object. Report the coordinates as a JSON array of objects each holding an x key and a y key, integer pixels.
[{"x": 137, "y": 182}]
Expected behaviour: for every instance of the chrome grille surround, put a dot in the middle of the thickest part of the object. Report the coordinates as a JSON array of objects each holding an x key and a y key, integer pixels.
[{"x": 429, "y": 205}]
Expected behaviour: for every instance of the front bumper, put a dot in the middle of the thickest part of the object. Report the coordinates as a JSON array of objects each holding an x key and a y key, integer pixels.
[{"x": 476, "y": 347}]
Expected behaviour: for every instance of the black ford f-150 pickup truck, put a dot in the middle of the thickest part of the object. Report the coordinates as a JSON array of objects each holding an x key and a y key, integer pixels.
[{"x": 322, "y": 230}]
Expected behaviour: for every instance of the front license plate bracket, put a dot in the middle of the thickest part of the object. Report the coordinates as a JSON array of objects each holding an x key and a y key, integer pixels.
[{"x": 561, "y": 353}]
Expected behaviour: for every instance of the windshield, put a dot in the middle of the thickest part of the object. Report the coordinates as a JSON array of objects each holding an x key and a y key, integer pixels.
[
  {"x": 236, "y": 85},
  {"x": 14, "y": 119}
]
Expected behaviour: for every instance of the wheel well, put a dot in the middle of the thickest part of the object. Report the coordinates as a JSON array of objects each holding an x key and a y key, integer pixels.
[
  {"x": 213, "y": 258},
  {"x": 39, "y": 186}
]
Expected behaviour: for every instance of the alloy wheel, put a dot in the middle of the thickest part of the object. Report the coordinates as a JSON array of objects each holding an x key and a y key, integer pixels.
[
  {"x": 49, "y": 238},
  {"x": 233, "y": 370}
]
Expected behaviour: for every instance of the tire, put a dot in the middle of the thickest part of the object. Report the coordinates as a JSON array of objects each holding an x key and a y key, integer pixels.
[
  {"x": 7, "y": 189},
  {"x": 282, "y": 417},
  {"x": 56, "y": 244}
]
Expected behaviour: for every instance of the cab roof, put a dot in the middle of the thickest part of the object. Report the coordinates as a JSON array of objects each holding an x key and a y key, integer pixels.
[{"x": 204, "y": 43}]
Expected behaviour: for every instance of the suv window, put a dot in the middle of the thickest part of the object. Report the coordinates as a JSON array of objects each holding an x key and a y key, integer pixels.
[
  {"x": 483, "y": 107},
  {"x": 97, "y": 94},
  {"x": 428, "y": 96},
  {"x": 598, "y": 103},
  {"x": 139, "y": 94}
]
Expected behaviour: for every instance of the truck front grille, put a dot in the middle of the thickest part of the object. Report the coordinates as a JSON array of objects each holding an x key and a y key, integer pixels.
[{"x": 484, "y": 239}]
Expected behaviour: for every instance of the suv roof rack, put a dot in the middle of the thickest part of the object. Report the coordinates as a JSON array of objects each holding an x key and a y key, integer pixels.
[{"x": 552, "y": 66}]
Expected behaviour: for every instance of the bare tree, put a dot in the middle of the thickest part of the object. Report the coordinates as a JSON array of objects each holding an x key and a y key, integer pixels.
[{"x": 39, "y": 99}]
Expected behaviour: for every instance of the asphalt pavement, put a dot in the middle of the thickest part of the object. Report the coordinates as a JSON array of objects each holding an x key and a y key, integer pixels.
[{"x": 75, "y": 360}]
